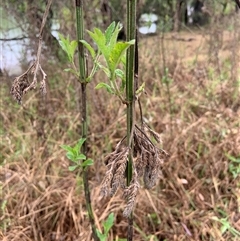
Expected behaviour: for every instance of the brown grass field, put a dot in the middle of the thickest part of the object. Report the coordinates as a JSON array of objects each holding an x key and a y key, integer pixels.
[{"x": 197, "y": 116}]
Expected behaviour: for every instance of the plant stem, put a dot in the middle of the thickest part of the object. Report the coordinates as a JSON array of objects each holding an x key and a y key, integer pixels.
[
  {"x": 130, "y": 95},
  {"x": 82, "y": 79}
]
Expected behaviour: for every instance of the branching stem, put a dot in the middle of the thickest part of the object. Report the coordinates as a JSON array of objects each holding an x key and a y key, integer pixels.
[
  {"x": 82, "y": 80},
  {"x": 130, "y": 96}
]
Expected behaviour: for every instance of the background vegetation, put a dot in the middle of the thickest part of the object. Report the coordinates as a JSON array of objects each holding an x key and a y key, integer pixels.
[{"x": 192, "y": 98}]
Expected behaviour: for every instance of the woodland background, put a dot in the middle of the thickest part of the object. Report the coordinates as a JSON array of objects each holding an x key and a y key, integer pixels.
[{"x": 192, "y": 98}]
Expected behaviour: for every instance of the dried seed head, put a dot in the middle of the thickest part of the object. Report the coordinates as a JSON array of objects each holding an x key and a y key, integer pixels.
[
  {"x": 106, "y": 183},
  {"x": 150, "y": 177},
  {"x": 20, "y": 84},
  {"x": 140, "y": 165},
  {"x": 115, "y": 176},
  {"x": 130, "y": 193},
  {"x": 147, "y": 163},
  {"x": 119, "y": 176}
]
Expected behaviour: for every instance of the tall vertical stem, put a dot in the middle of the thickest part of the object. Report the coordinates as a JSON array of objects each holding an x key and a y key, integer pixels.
[
  {"x": 130, "y": 95},
  {"x": 82, "y": 79}
]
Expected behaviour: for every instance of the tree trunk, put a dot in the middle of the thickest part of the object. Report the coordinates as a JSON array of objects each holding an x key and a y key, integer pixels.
[{"x": 177, "y": 16}]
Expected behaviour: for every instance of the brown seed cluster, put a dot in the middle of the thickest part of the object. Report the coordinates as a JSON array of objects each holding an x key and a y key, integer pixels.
[
  {"x": 149, "y": 158},
  {"x": 147, "y": 162},
  {"x": 115, "y": 175},
  {"x": 21, "y": 84}
]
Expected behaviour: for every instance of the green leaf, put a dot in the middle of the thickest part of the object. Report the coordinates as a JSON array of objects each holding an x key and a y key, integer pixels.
[
  {"x": 232, "y": 158},
  {"x": 114, "y": 36},
  {"x": 81, "y": 141},
  {"x": 72, "y": 48},
  {"x": 105, "y": 86},
  {"x": 117, "y": 52},
  {"x": 78, "y": 146},
  {"x": 108, "y": 223},
  {"x": 123, "y": 60},
  {"x": 119, "y": 73},
  {"x": 71, "y": 156},
  {"x": 100, "y": 39},
  {"x": 72, "y": 168},
  {"x": 109, "y": 32},
  {"x": 67, "y": 46},
  {"x": 66, "y": 148},
  {"x": 102, "y": 237},
  {"x": 224, "y": 228},
  {"x": 63, "y": 42},
  {"x": 89, "y": 48},
  {"x": 88, "y": 162},
  {"x": 80, "y": 157}
]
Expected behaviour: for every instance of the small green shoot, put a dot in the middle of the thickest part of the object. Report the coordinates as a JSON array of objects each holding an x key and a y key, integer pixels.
[
  {"x": 226, "y": 226},
  {"x": 74, "y": 154},
  {"x": 68, "y": 46},
  {"x": 166, "y": 79},
  {"x": 4, "y": 222},
  {"x": 114, "y": 54},
  {"x": 107, "y": 225},
  {"x": 234, "y": 165}
]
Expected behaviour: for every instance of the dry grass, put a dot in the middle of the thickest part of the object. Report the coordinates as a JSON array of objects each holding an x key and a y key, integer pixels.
[{"x": 44, "y": 201}]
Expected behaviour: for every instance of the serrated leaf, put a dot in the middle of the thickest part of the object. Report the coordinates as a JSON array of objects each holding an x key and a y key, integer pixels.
[
  {"x": 80, "y": 157},
  {"x": 88, "y": 162},
  {"x": 109, "y": 32},
  {"x": 100, "y": 39},
  {"x": 78, "y": 146},
  {"x": 116, "y": 54},
  {"x": 114, "y": 36},
  {"x": 70, "y": 156},
  {"x": 66, "y": 148},
  {"x": 72, "y": 49},
  {"x": 64, "y": 42},
  {"x": 105, "y": 86},
  {"x": 108, "y": 223},
  {"x": 66, "y": 46},
  {"x": 72, "y": 168},
  {"x": 89, "y": 48}
]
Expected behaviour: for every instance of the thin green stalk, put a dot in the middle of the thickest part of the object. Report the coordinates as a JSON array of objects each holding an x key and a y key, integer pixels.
[
  {"x": 82, "y": 69},
  {"x": 130, "y": 95}
]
